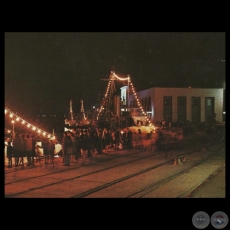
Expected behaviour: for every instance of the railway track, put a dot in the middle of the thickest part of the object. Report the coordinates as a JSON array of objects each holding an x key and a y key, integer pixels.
[
  {"x": 117, "y": 163},
  {"x": 145, "y": 191}
]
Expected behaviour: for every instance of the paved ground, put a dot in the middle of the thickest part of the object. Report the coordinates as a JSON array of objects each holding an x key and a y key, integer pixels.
[
  {"x": 217, "y": 181},
  {"x": 213, "y": 187}
]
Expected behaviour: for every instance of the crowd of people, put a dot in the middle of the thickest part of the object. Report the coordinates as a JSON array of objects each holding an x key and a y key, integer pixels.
[
  {"x": 87, "y": 142},
  {"x": 75, "y": 144},
  {"x": 24, "y": 145}
]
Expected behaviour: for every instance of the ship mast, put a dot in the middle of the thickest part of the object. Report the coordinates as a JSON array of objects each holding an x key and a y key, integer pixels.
[
  {"x": 71, "y": 110},
  {"x": 70, "y": 121},
  {"x": 82, "y": 110}
]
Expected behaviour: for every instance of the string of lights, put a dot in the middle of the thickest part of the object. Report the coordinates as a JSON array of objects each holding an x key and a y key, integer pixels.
[
  {"x": 139, "y": 105},
  {"x": 17, "y": 119},
  {"x": 135, "y": 96}
]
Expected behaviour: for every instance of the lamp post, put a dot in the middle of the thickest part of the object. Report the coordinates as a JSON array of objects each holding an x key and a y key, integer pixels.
[{"x": 128, "y": 94}]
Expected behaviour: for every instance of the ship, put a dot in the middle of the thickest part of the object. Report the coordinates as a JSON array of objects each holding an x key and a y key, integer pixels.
[{"x": 81, "y": 122}]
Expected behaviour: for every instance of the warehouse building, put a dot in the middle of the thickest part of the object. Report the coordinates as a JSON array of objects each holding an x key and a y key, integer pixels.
[{"x": 175, "y": 105}]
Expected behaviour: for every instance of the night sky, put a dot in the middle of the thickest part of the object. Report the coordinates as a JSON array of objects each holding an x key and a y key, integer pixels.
[{"x": 44, "y": 70}]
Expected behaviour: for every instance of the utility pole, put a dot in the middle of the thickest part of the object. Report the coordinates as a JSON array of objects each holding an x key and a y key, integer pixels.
[{"x": 128, "y": 95}]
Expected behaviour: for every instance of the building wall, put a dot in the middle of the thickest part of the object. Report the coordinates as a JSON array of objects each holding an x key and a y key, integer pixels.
[
  {"x": 157, "y": 94},
  {"x": 124, "y": 96}
]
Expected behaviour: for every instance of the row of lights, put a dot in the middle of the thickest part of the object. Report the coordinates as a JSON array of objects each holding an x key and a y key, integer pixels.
[
  {"x": 106, "y": 94},
  {"x": 16, "y": 118},
  {"x": 139, "y": 105}
]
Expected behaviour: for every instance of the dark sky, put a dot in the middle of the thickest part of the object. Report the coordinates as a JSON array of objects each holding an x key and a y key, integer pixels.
[{"x": 44, "y": 70}]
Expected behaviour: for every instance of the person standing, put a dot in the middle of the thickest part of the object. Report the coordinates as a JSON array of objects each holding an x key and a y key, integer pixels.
[
  {"x": 9, "y": 154},
  {"x": 139, "y": 139},
  {"x": 117, "y": 138},
  {"x": 29, "y": 148},
  {"x": 67, "y": 143},
  {"x": 72, "y": 156},
  {"x": 23, "y": 150},
  {"x": 33, "y": 154},
  {"x": 77, "y": 146},
  {"x": 124, "y": 139},
  {"x": 45, "y": 146},
  {"x": 129, "y": 138},
  {"x": 107, "y": 139},
  {"x": 51, "y": 148},
  {"x": 84, "y": 144},
  {"x": 17, "y": 145},
  {"x": 112, "y": 139},
  {"x": 98, "y": 141},
  {"x": 89, "y": 143},
  {"x": 63, "y": 152},
  {"x": 104, "y": 133}
]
